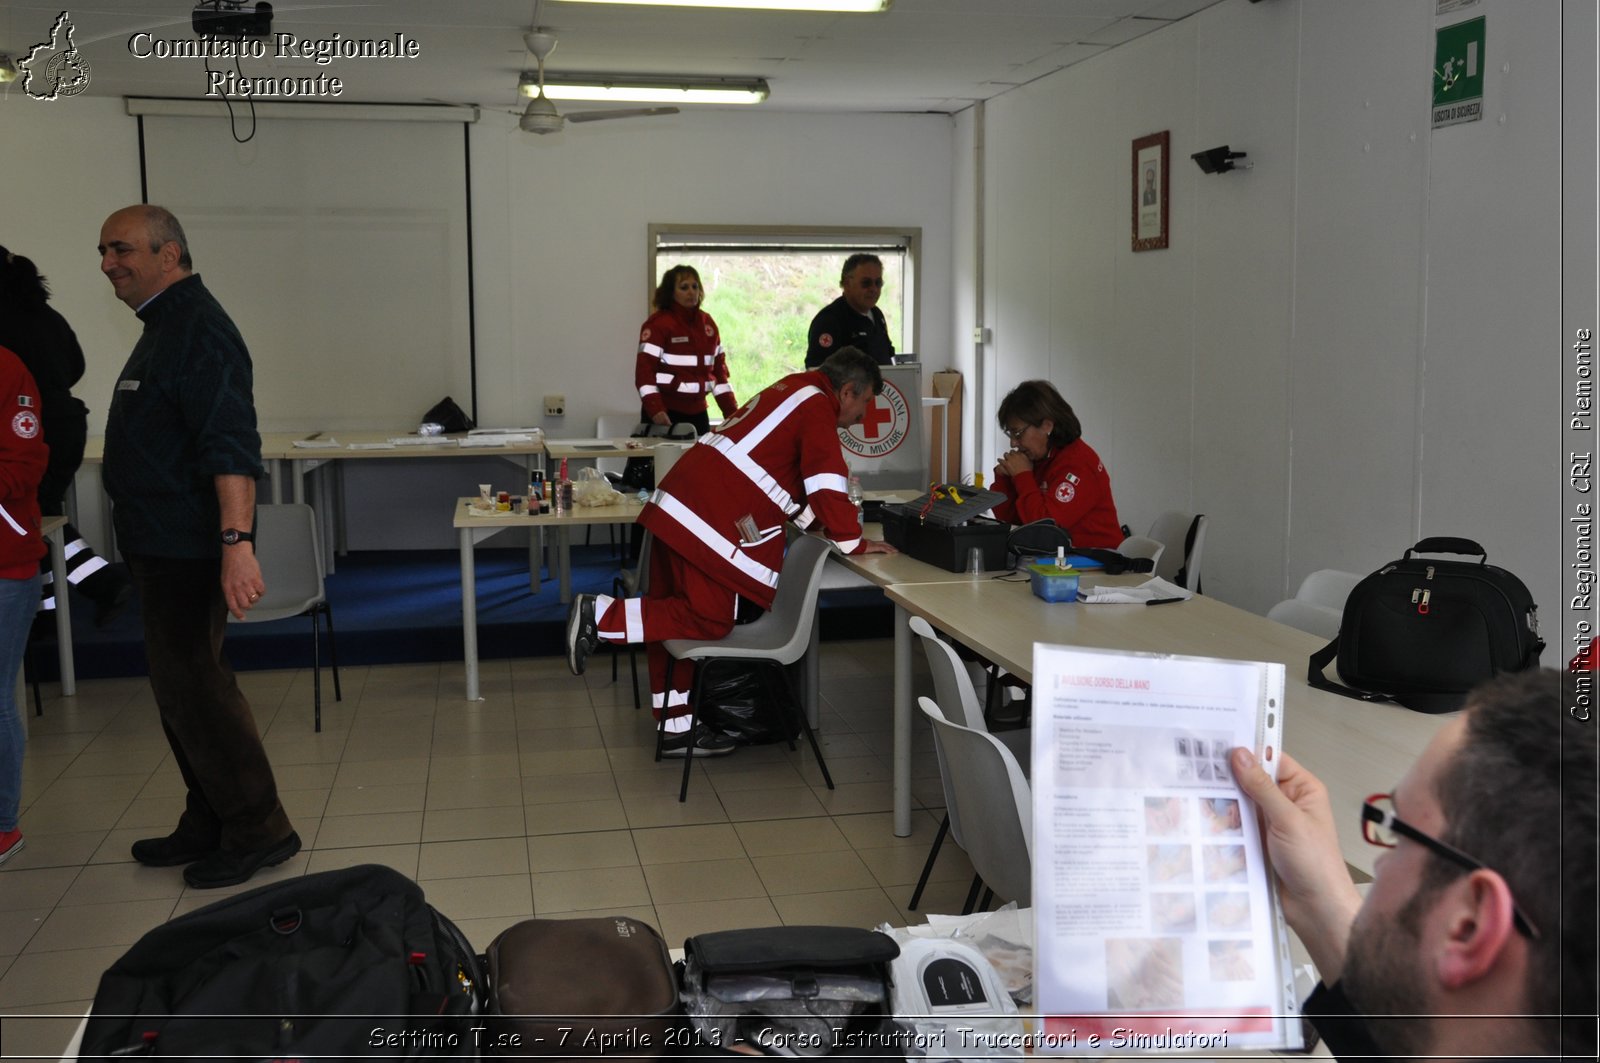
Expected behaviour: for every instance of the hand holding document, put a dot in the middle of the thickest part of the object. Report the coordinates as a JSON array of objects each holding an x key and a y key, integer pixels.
[{"x": 1157, "y": 923}]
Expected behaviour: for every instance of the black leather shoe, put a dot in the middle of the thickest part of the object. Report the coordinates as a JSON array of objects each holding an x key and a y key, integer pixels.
[
  {"x": 176, "y": 848},
  {"x": 229, "y": 868}
]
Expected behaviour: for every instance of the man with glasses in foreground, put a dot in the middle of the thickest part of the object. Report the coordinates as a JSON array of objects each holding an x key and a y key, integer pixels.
[
  {"x": 1477, "y": 934},
  {"x": 853, "y": 319}
]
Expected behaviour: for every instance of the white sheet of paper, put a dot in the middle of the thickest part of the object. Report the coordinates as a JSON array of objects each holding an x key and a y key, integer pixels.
[{"x": 1157, "y": 926}]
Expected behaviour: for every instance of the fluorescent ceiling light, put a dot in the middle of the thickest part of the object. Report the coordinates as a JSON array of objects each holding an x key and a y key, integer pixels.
[
  {"x": 662, "y": 88},
  {"x": 848, "y": 6}
]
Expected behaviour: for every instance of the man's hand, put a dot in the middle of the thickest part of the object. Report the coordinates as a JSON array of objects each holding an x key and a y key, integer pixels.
[
  {"x": 242, "y": 586},
  {"x": 878, "y": 546},
  {"x": 1319, "y": 900},
  {"x": 1013, "y": 463},
  {"x": 661, "y": 418}
]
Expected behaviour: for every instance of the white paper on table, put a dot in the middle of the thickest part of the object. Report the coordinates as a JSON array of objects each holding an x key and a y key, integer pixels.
[
  {"x": 317, "y": 444},
  {"x": 1157, "y": 923},
  {"x": 1152, "y": 589}
]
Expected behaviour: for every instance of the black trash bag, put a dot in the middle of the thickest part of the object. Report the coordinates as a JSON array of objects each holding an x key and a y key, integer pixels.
[
  {"x": 750, "y": 702},
  {"x": 447, "y": 413}
]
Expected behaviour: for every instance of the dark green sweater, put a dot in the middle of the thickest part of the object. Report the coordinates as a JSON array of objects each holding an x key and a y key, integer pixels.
[{"x": 182, "y": 413}]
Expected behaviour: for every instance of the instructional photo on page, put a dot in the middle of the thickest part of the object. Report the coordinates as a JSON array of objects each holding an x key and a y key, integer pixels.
[{"x": 1155, "y": 925}]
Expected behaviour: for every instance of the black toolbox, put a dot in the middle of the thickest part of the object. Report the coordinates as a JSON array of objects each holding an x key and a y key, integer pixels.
[{"x": 946, "y": 547}]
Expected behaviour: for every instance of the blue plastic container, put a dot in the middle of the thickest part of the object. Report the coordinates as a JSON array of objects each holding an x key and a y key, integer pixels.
[{"x": 1054, "y": 584}]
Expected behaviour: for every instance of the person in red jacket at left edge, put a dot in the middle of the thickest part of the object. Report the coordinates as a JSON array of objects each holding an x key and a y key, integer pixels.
[
  {"x": 680, "y": 360},
  {"x": 23, "y": 457},
  {"x": 718, "y": 519}
]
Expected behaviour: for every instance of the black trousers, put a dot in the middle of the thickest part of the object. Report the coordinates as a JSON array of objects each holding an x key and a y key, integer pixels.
[{"x": 232, "y": 797}]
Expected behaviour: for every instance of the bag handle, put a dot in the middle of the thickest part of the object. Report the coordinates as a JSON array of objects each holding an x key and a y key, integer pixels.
[{"x": 1448, "y": 544}]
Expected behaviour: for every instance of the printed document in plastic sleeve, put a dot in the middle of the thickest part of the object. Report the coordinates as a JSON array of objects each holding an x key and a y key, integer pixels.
[{"x": 1156, "y": 918}]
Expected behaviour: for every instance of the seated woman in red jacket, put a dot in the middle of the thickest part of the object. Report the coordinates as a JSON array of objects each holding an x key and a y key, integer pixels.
[{"x": 1050, "y": 471}]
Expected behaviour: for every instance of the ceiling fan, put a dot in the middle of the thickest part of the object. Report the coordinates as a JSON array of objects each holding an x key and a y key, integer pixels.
[{"x": 541, "y": 116}]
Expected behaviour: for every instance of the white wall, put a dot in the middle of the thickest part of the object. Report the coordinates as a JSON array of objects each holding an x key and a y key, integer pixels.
[{"x": 1333, "y": 358}]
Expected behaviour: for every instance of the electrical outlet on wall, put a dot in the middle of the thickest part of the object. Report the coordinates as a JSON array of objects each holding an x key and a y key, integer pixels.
[{"x": 555, "y": 405}]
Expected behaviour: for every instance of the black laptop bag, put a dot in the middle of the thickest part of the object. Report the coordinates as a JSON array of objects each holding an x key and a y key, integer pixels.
[
  {"x": 339, "y": 964},
  {"x": 1424, "y": 631}
]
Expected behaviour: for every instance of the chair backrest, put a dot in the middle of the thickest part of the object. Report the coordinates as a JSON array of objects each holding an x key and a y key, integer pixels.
[
  {"x": 1318, "y": 606},
  {"x": 990, "y": 789},
  {"x": 1184, "y": 535},
  {"x": 1328, "y": 587},
  {"x": 794, "y": 605},
  {"x": 641, "y": 582},
  {"x": 1317, "y": 619},
  {"x": 952, "y": 683},
  {"x": 289, "y": 550},
  {"x": 1142, "y": 546},
  {"x": 614, "y": 426}
]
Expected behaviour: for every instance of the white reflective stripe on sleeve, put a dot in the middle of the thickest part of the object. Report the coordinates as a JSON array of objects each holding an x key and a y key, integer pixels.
[
  {"x": 827, "y": 481},
  {"x": 722, "y": 389},
  {"x": 804, "y": 518},
  {"x": 719, "y": 544},
  {"x": 758, "y": 476},
  {"x": 679, "y": 359},
  {"x": 89, "y": 567},
  {"x": 14, "y": 525},
  {"x": 719, "y": 352},
  {"x": 74, "y": 548},
  {"x": 633, "y": 617},
  {"x": 649, "y": 389},
  {"x": 848, "y": 546},
  {"x": 651, "y": 349}
]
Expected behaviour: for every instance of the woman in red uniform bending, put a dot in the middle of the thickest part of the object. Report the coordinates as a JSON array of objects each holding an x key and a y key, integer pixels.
[
  {"x": 680, "y": 358},
  {"x": 1050, "y": 471}
]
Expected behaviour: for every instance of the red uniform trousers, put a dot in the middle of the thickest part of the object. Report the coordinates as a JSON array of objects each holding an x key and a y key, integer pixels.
[{"x": 681, "y": 603}]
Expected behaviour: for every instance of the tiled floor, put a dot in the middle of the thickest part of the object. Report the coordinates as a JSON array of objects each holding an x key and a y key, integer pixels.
[{"x": 542, "y": 799}]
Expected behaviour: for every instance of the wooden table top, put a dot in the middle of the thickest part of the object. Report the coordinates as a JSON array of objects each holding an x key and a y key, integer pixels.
[{"x": 625, "y": 512}]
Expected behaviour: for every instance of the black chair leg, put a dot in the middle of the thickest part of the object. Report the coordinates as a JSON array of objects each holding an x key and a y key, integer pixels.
[
  {"x": 805, "y": 724},
  {"x": 700, "y": 671},
  {"x": 927, "y": 868},
  {"x": 333, "y": 652},
  {"x": 972, "y": 895},
  {"x": 633, "y": 670},
  {"x": 316, "y": 669},
  {"x": 988, "y": 899}
]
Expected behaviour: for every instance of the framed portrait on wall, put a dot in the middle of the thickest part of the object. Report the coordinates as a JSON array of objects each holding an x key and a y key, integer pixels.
[{"x": 1150, "y": 161}]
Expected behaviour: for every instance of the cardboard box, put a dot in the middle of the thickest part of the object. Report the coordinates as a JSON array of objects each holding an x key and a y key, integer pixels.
[{"x": 944, "y": 447}]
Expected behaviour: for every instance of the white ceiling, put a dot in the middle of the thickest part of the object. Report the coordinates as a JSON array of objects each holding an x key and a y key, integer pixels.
[{"x": 921, "y": 55}]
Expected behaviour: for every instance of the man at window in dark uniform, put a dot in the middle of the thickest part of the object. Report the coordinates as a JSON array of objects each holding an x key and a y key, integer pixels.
[{"x": 853, "y": 319}]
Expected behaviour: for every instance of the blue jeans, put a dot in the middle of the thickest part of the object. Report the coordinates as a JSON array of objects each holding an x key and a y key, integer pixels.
[{"x": 19, "y": 600}]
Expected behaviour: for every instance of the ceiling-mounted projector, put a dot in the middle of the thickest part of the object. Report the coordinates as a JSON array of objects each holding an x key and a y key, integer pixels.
[{"x": 231, "y": 20}]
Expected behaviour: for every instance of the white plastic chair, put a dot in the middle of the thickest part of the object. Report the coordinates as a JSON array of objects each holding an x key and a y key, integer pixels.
[
  {"x": 1181, "y": 566},
  {"x": 1318, "y": 606},
  {"x": 1142, "y": 546},
  {"x": 289, "y": 549},
  {"x": 952, "y": 685},
  {"x": 779, "y": 637},
  {"x": 992, "y": 791}
]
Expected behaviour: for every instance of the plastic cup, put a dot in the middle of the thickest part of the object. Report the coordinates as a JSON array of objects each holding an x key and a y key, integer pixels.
[{"x": 974, "y": 560}]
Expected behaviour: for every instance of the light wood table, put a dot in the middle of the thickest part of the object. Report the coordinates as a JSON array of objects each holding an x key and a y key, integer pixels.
[
  {"x": 1357, "y": 748},
  {"x": 472, "y": 530}
]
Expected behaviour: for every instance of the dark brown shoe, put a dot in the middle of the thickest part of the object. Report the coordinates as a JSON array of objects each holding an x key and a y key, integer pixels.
[
  {"x": 176, "y": 848},
  {"x": 227, "y": 867}
]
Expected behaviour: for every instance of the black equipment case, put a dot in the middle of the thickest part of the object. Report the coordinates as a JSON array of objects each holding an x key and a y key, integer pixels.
[
  {"x": 1423, "y": 632},
  {"x": 945, "y": 546}
]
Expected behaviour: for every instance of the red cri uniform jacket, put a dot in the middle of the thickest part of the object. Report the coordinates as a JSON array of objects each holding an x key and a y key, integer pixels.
[
  {"x": 680, "y": 362},
  {"x": 23, "y": 457},
  {"x": 1072, "y": 488},
  {"x": 777, "y": 459}
]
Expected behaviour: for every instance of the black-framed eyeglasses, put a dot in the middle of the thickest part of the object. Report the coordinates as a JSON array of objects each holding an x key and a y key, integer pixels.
[
  {"x": 1381, "y": 827},
  {"x": 1014, "y": 434}
]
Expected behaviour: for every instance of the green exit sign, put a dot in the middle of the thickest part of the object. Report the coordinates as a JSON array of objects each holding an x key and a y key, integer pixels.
[{"x": 1458, "y": 61}]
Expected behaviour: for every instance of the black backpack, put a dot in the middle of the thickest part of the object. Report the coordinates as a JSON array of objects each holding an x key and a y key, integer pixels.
[
  {"x": 343, "y": 963},
  {"x": 1423, "y": 632}
]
